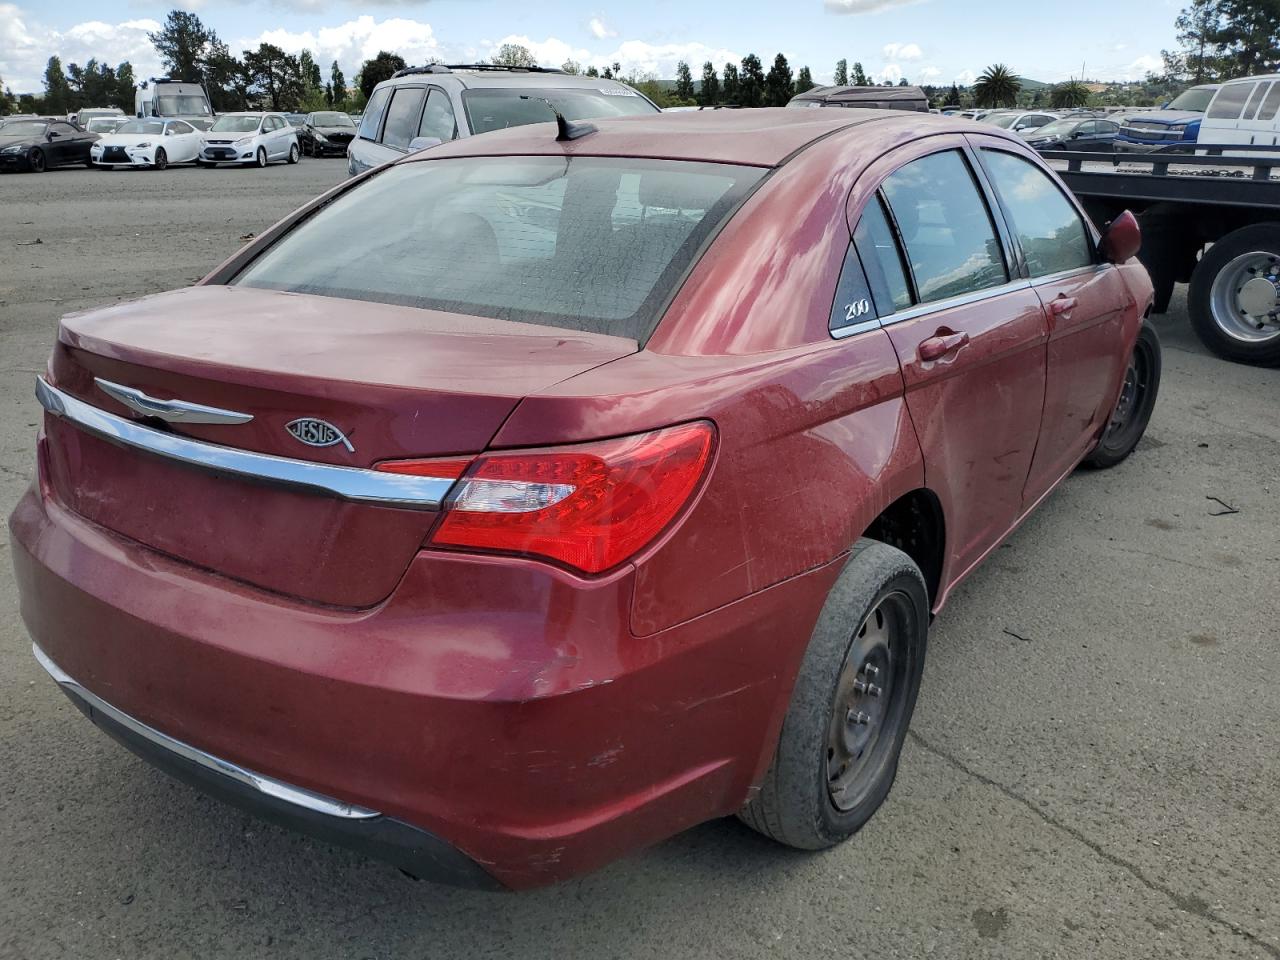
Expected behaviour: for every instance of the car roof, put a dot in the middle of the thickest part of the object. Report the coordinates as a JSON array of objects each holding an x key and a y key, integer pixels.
[
  {"x": 1261, "y": 76},
  {"x": 479, "y": 77},
  {"x": 763, "y": 137}
]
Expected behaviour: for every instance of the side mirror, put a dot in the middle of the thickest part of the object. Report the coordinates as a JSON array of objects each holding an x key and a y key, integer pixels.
[
  {"x": 423, "y": 143},
  {"x": 1122, "y": 239}
]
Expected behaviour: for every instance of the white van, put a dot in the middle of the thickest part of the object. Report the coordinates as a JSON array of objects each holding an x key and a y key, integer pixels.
[{"x": 1244, "y": 111}]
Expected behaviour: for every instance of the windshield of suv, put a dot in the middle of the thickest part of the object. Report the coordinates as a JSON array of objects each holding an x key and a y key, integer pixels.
[
  {"x": 586, "y": 243},
  {"x": 1197, "y": 99},
  {"x": 176, "y": 106},
  {"x": 102, "y": 125},
  {"x": 497, "y": 108},
  {"x": 141, "y": 126},
  {"x": 25, "y": 128},
  {"x": 233, "y": 124},
  {"x": 331, "y": 120},
  {"x": 1057, "y": 128}
]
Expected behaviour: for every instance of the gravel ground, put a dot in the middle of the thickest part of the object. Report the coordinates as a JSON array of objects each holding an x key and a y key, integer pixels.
[{"x": 1092, "y": 769}]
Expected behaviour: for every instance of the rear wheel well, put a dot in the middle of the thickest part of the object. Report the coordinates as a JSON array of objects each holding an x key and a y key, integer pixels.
[{"x": 914, "y": 524}]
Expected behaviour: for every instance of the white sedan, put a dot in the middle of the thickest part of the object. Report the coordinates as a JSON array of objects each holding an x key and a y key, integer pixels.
[
  {"x": 153, "y": 143},
  {"x": 256, "y": 138}
]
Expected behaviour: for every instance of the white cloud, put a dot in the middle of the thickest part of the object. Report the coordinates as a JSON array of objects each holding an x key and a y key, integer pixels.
[
  {"x": 26, "y": 45},
  {"x": 550, "y": 52},
  {"x": 863, "y": 6},
  {"x": 636, "y": 56},
  {"x": 355, "y": 41},
  {"x": 902, "y": 51},
  {"x": 599, "y": 29},
  {"x": 1147, "y": 63},
  {"x": 890, "y": 73},
  {"x": 929, "y": 73},
  {"x": 966, "y": 77}
]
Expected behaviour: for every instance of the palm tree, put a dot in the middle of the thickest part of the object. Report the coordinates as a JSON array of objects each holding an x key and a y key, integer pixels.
[
  {"x": 1073, "y": 93},
  {"x": 997, "y": 87}
]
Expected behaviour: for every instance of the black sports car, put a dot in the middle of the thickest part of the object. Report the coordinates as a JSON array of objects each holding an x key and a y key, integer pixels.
[
  {"x": 37, "y": 145},
  {"x": 324, "y": 133}
]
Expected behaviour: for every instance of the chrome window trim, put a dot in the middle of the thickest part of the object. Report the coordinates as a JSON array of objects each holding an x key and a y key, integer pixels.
[
  {"x": 933, "y": 306},
  {"x": 347, "y": 483},
  {"x": 1068, "y": 274},
  {"x": 269, "y": 786},
  {"x": 862, "y": 326}
]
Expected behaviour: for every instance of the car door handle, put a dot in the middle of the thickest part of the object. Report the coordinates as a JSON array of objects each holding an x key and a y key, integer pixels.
[
  {"x": 1062, "y": 306},
  {"x": 942, "y": 343}
]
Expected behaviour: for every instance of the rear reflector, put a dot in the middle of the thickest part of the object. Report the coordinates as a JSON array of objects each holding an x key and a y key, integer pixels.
[{"x": 590, "y": 506}]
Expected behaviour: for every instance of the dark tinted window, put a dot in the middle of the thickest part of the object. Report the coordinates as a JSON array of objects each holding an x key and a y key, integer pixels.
[
  {"x": 880, "y": 255},
  {"x": 1108, "y": 127},
  {"x": 496, "y": 108},
  {"x": 853, "y": 304},
  {"x": 1271, "y": 104},
  {"x": 1052, "y": 235},
  {"x": 63, "y": 129},
  {"x": 587, "y": 243},
  {"x": 437, "y": 118},
  {"x": 402, "y": 117},
  {"x": 373, "y": 111},
  {"x": 1230, "y": 101},
  {"x": 1251, "y": 107},
  {"x": 950, "y": 241}
]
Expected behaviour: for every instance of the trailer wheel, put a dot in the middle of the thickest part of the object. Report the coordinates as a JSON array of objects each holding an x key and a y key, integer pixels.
[{"x": 1235, "y": 296}]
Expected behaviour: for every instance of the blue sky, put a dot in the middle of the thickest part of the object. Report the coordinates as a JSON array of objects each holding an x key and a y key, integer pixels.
[{"x": 935, "y": 41}]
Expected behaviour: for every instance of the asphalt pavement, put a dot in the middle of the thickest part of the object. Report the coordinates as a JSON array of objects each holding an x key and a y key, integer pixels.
[{"x": 1092, "y": 771}]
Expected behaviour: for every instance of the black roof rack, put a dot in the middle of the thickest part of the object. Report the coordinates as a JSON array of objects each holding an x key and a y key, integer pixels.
[{"x": 450, "y": 67}]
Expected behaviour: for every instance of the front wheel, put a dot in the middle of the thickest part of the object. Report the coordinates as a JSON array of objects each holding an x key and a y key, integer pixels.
[
  {"x": 35, "y": 160},
  {"x": 851, "y": 706},
  {"x": 1137, "y": 399},
  {"x": 261, "y": 158},
  {"x": 162, "y": 159},
  {"x": 1235, "y": 296},
  {"x": 294, "y": 154}
]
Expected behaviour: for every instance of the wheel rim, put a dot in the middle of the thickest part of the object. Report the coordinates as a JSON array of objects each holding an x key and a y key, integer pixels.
[
  {"x": 37, "y": 161},
  {"x": 293, "y": 154},
  {"x": 870, "y": 693},
  {"x": 262, "y": 157},
  {"x": 1245, "y": 297},
  {"x": 161, "y": 160},
  {"x": 1126, "y": 415}
]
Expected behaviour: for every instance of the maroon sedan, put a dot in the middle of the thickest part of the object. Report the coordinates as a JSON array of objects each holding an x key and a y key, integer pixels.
[{"x": 536, "y": 497}]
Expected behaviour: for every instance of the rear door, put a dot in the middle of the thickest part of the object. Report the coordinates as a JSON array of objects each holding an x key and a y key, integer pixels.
[
  {"x": 1222, "y": 121},
  {"x": 1084, "y": 299},
  {"x": 404, "y": 114},
  {"x": 969, "y": 335}
]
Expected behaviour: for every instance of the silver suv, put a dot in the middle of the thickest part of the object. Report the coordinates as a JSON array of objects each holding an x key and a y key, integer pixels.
[{"x": 422, "y": 106}]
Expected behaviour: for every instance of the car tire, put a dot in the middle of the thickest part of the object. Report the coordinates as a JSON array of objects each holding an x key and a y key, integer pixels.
[
  {"x": 162, "y": 159},
  {"x": 294, "y": 154},
  {"x": 260, "y": 158},
  {"x": 1217, "y": 285},
  {"x": 36, "y": 161},
  {"x": 837, "y": 754},
  {"x": 89, "y": 164},
  {"x": 1132, "y": 412}
]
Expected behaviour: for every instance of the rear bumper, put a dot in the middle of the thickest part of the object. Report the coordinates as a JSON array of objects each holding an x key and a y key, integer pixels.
[{"x": 497, "y": 715}]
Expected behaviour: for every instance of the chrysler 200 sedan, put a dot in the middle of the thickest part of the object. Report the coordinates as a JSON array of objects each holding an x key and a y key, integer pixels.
[{"x": 610, "y": 489}]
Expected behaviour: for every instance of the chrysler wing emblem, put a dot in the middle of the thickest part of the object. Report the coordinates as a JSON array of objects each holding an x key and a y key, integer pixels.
[
  {"x": 317, "y": 433},
  {"x": 172, "y": 411}
]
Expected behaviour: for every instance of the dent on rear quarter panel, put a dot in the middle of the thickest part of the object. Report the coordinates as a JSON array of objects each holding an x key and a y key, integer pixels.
[{"x": 814, "y": 436}]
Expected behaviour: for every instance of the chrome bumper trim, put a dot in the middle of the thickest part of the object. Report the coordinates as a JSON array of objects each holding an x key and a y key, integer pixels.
[
  {"x": 265, "y": 785},
  {"x": 348, "y": 483}
]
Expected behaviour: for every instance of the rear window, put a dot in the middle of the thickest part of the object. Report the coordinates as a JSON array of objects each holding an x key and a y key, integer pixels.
[
  {"x": 585, "y": 243},
  {"x": 497, "y": 108}
]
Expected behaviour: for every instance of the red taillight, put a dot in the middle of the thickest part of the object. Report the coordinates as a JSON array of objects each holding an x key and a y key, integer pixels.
[{"x": 590, "y": 506}]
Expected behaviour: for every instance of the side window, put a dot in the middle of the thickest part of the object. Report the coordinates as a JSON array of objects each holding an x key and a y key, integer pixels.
[
  {"x": 1052, "y": 235},
  {"x": 1229, "y": 101},
  {"x": 1270, "y": 105},
  {"x": 879, "y": 253},
  {"x": 1108, "y": 127},
  {"x": 437, "y": 118},
  {"x": 853, "y": 305},
  {"x": 63, "y": 129},
  {"x": 402, "y": 117},
  {"x": 946, "y": 230},
  {"x": 1252, "y": 106},
  {"x": 373, "y": 111}
]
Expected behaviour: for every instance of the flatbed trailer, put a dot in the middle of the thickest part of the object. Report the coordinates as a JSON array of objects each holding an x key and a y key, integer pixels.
[{"x": 1210, "y": 217}]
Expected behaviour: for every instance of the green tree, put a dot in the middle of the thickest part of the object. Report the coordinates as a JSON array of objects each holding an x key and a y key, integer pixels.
[
  {"x": 779, "y": 86},
  {"x": 182, "y": 43},
  {"x": 8, "y": 102},
  {"x": 841, "y": 78},
  {"x": 751, "y": 82},
  {"x": 729, "y": 92},
  {"x": 122, "y": 95},
  {"x": 514, "y": 55},
  {"x": 859, "y": 76},
  {"x": 339, "y": 84},
  {"x": 224, "y": 78},
  {"x": 275, "y": 76},
  {"x": 709, "y": 92},
  {"x": 684, "y": 83},
  {"x": 373, "y": 72},
  {"x": 571, "y": 66},
  {"x": 953, "y": 96},
  {"x": 998, "y": 86},
  {"x": 804, "y": 81},
  {"x": 57, "y": 92},
  {"x": 1073, "y": 93},
  {"x": 592, "y": 71},
  {"x": 310, "y": 70},
  {"x": 1246, "y": 37}
]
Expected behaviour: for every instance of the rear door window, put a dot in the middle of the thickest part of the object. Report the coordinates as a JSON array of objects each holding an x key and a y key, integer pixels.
[
  {"x": 1251, "y": 107},
  {"x": 947, "y": 232},
  {"x": 882, "y": 259},
  {"x": 1271, "y": 104},
  {"x": 438, "y": 119},
  {"x": 1052, "y": 234},
  {"x": 373, "y": 111},
  {"x": 1230, "y": 101},
  {"x": 403, "y": 116}
]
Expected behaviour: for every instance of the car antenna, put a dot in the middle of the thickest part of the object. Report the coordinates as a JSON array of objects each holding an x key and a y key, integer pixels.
[{"x": 565, "y": 129}]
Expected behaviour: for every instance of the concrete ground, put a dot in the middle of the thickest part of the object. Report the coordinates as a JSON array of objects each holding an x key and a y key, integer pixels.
[{"x": 1092, "y": 770}]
